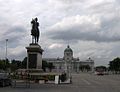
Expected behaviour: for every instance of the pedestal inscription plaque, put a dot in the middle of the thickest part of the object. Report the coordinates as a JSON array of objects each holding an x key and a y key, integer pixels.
[
  {"x": 32, "y": 61},
  {"x": 34, "y": 53}
]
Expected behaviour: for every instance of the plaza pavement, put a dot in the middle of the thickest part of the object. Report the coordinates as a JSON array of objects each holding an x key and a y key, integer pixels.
[{"x": 81, "y": 83}]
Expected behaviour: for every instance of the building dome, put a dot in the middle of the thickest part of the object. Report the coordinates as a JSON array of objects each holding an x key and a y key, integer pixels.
[{"x": 68, "y": 49}]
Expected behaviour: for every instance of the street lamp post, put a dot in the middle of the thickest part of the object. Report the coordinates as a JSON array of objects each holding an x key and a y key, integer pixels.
[
  {"x": 6, "y": 53},
  {"x": 6, "y": 48}
]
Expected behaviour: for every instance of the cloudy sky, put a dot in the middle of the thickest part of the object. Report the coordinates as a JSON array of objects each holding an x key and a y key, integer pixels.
[{"x": 90, "y": 27}]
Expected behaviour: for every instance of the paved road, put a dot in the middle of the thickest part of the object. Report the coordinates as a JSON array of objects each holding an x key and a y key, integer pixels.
[
  {"x": 81, "y": 83},
  {"x": 94, "y": 83}
]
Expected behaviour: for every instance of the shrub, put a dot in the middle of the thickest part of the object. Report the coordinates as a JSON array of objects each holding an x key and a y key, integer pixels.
[{"x": 63, "y": 77}]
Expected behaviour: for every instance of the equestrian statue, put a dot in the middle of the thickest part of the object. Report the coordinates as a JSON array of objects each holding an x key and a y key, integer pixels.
[{"x": 35, "y": 31}]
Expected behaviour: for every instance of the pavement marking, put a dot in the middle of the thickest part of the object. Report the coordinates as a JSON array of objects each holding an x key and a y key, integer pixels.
[{"x": 86, "y": 81}]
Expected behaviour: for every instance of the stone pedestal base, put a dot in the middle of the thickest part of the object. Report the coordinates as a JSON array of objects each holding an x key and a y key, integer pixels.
[{"x": 34, "y": 54}]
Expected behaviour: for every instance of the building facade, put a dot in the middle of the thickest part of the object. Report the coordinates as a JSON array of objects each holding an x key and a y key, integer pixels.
[{"x": 70, "y": 64}]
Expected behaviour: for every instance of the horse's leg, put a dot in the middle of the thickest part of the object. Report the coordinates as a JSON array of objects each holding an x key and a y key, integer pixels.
[
  {"x": 37, "y": 36},
  {"x": 32, "y": 39},
  {"x": 35, "y": 39}
]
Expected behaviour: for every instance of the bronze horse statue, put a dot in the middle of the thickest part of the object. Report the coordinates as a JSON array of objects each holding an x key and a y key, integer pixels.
[{"x": 35, "y": 31}]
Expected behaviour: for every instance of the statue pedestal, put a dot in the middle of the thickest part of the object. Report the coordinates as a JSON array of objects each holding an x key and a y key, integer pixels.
[{"x": 34, "y": 55}]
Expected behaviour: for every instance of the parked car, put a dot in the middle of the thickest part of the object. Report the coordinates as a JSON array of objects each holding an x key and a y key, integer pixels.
[{"x": 4, "y": 78}]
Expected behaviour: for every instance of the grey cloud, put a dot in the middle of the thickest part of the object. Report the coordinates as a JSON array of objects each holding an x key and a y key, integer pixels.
[
  {"x": 14, "y": 35},
  {"x": 89, "y": 36},
  {"x": 71, "y": 1},
  {"x": 19, "y": 56},
  {"x": 108, "y": 31}
]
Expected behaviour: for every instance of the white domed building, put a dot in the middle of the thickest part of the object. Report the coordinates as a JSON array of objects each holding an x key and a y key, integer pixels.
[{"x": 70, "y": 64}]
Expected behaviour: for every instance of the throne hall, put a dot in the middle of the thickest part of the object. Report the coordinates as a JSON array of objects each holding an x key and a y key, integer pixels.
[{"x": 69, "y": 63}]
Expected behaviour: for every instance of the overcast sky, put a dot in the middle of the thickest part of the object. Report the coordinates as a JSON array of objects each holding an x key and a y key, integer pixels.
[{"x": 90, "y": 27}]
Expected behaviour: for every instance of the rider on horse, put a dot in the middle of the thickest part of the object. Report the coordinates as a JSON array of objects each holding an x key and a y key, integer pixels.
[{"x": 35, "y": 30}]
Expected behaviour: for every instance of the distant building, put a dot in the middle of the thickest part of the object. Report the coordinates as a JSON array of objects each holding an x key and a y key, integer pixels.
[{"x": 70, "y": 64}]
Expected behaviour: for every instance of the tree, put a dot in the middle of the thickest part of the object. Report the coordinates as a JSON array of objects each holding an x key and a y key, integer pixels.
[
  {"x": 114, "y": 65},
  {"x": 44, "y": 65},
  {"x": 24, "y": 63},
  {"x": 50, "y": 66},
  {"x": 84, "y": 67},
  {"x": 16, "y": 64},
  {"x": 4, "y": 64}
]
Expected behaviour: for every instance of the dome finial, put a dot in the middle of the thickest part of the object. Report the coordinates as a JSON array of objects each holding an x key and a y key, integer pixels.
[
  {"x": 68, "y": 46},
  {"x": 68, "y": 49}
]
